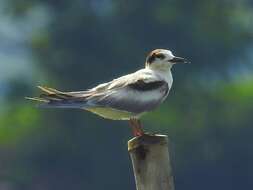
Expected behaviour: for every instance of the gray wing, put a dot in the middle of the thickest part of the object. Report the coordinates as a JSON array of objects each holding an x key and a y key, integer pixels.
[
  {"x": 77, "y": 99},
  {"x": 134, "y": 93}
]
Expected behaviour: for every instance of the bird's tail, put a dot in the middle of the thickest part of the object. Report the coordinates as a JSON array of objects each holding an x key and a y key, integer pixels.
[{"x": 52, "y": 98}]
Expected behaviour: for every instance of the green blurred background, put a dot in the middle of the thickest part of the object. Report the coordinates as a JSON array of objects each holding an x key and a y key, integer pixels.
[{"x": 73, "y": 45}]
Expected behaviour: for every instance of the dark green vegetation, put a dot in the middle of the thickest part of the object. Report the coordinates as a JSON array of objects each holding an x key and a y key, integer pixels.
[{"x": 76, "y": 44}]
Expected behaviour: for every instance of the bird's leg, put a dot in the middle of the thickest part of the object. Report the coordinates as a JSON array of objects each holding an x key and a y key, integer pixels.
[
  {"x": 132, "y": 124},
  {"x": 140, "y": 127},
  {"x": 136, "y": 126}
]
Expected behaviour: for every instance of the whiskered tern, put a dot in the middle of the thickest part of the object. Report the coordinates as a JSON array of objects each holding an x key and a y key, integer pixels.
[{"x": 125, "y": 98}]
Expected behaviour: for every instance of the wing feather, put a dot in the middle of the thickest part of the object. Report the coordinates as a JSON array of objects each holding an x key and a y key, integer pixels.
[{"x": 137, "y": 92}]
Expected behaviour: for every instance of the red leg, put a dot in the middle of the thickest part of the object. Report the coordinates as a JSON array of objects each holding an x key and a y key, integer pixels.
[
  {"x": 137, "y": 127},
  {"x": 134, "y": 130}
]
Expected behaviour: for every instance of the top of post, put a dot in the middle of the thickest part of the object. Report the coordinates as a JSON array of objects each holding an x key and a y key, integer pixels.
[{"x": 147, "y": 139}]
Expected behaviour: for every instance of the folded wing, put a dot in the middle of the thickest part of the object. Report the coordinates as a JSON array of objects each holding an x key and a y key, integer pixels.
[{"x": 136, "y": 93}]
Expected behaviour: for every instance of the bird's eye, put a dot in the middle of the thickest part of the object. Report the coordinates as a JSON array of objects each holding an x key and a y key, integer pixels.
[
  {"x": 160, "y": 56},
  {"x": 155, "y": 56}
]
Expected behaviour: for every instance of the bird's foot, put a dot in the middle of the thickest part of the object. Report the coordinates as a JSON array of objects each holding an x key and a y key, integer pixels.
[{"x": 136, "y": 127}]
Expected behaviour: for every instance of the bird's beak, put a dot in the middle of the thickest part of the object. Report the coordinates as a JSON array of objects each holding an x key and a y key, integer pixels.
[{"x": 179, "y": 60}]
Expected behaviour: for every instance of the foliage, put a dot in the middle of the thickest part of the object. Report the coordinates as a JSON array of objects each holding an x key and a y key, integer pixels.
[{"x": 81, "y": 43}]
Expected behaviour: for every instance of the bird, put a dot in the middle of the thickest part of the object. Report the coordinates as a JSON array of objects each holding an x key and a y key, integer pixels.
[{"x": 128, "y": 97}]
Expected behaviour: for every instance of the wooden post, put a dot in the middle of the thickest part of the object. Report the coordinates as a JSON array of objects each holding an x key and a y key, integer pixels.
[{"x": 151, "y": 162}]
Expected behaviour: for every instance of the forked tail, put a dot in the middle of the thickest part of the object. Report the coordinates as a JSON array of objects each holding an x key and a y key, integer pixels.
[{"x": 52, "y": 98}]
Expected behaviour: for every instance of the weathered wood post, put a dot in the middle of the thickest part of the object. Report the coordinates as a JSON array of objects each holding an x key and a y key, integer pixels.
[{"x": 151, "y": 162}]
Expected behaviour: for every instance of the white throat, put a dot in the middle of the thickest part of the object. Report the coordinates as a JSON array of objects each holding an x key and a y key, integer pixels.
[
  {"x": 159, "y": 67},
  {"x": 163, "y": 72}
]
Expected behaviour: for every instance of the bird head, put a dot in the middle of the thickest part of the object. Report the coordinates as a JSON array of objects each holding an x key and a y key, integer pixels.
[{"x": 162, "y": 59}]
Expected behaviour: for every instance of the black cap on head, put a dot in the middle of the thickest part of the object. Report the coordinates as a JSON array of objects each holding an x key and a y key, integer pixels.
[{"x": 156, "y": 54}]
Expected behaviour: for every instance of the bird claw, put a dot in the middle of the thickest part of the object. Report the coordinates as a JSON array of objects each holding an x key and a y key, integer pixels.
[{"x": 136, "y": 127}]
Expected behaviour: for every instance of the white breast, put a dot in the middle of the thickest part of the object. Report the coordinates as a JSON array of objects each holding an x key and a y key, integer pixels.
[{"x": 163, "y": 75}]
